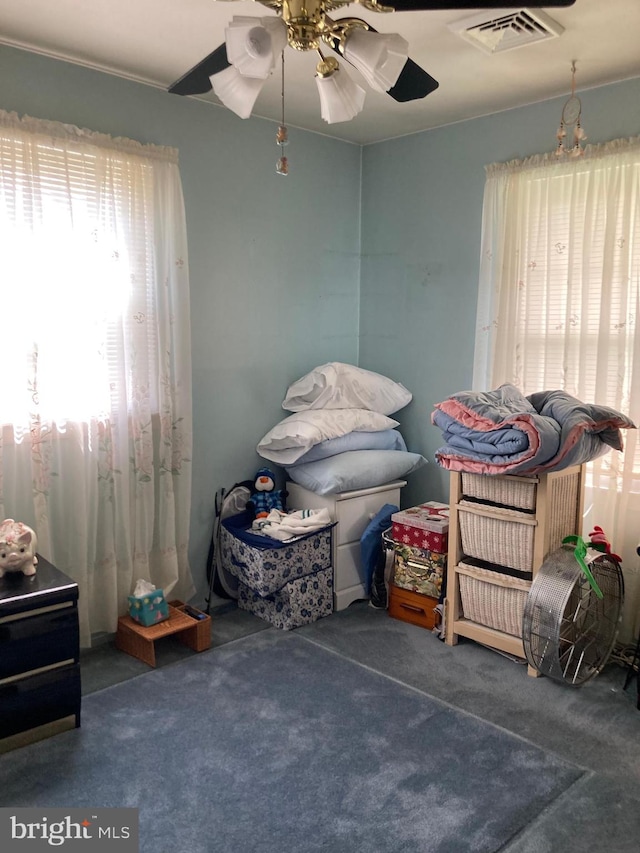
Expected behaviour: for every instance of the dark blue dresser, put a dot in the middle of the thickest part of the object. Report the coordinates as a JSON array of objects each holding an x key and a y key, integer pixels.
[{"x": 39, "y": 655}]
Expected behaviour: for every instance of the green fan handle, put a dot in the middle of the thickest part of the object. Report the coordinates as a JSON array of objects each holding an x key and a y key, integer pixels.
[{"x": 580, "y": 553}]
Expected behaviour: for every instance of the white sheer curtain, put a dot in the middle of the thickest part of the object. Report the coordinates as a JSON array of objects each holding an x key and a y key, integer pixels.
[
  {"x": 95, "y": 396},
  {"x": 559, "y": 307}
]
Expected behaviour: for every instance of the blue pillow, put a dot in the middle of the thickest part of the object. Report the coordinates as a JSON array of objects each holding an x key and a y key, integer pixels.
[
  {"x": 355, "y": 469},
  {"x": 386, "y": 439}
]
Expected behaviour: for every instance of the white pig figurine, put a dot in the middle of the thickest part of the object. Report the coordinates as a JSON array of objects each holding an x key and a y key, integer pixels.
[{"x": 18, "y": 545}]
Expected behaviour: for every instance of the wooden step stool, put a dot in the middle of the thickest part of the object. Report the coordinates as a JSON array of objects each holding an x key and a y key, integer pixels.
[{"x": 138, "y": 640}]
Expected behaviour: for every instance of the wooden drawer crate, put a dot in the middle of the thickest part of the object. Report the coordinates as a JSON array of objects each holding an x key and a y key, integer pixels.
[{"x": 412, "y": 607}]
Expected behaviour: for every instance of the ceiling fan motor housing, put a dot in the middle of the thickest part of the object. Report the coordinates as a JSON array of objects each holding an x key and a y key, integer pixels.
[{"x": 305, "y": 22}]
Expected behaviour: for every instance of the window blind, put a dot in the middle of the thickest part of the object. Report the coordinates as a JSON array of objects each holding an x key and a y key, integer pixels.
[{"x": 78, "y": 238}]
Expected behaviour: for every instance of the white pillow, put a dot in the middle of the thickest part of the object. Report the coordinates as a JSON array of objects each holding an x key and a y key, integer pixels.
[
  {"x": 342, "y": 386},
  {"x": 295, "y": 435},
  {"x": 355, "y": 469}
]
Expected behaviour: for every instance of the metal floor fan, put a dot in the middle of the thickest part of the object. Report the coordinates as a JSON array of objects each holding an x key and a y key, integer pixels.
[{"x": 572, "y": 613}]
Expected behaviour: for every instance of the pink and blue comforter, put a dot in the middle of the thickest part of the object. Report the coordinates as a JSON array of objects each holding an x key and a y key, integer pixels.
[{"x": 504, "y": 432}]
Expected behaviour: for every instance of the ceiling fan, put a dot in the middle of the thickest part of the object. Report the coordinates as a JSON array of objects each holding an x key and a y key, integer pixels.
[{"x": 238, "y": 68}]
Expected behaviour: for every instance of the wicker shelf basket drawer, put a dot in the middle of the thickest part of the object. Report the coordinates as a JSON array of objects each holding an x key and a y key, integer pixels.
[
  {"x": 503, "y": 537},
  {"x": 492, "y": 599},
  {"x": 509, "y": 491}
]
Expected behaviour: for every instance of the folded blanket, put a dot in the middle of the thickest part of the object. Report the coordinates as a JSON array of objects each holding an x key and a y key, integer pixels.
[
  {"x": 504, "y": 432},
  {"x": 286, "y": 526}
]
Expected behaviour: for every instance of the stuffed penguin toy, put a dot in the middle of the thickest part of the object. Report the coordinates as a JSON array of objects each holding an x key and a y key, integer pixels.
[{"x": 266, "y": 497}]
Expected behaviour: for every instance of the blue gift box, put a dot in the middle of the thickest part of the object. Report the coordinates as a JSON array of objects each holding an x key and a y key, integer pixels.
[{"x": 148, "y": 609}]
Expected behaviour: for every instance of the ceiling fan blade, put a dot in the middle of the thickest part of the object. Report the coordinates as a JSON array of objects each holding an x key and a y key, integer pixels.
[
  {"x": 196, "y": 81},
  {"x": 434, "y": 5},
  {"x": 413, "y": 83}
]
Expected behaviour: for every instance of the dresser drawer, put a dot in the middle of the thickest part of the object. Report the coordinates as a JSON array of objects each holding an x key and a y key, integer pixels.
[
  {"x": 32, "y": 641},
  {"x": 352, "y": 510},
  {"x": 38, "y": 699},
  {"x": 347, "y": 568},
  {"x": 355, "y": 513}
]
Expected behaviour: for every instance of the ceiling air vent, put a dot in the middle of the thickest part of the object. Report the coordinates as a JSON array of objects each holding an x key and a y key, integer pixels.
[{"x": 505, "y": 29}]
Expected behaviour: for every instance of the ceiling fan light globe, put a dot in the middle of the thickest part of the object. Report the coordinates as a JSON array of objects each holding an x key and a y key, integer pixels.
[
  {"x": 277, "y": 29},
  {"x": 379, "y": 57},
  {"x": 237, "y": 92},
  {"x": 258, "y": 43},
  {"x": 340, "y": 97},
  {"x": 253, "y": 44}
]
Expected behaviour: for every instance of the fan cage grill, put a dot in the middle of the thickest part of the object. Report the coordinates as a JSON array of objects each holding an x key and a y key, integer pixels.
[{"x": 568, "y": 632}]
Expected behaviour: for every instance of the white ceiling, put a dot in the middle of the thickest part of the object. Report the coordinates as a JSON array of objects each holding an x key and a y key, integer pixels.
[{"x": 157, "y": 41}]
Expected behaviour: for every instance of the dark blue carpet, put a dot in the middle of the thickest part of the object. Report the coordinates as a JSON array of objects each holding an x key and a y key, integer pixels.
[{"x": 272, "y": 744}]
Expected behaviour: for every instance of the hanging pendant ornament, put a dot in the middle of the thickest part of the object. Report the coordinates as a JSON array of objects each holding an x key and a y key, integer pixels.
[
  {"x": 282, "y": 136},
  {"x": 282, "y": 166},
  {"x": 571, "y": 115}
]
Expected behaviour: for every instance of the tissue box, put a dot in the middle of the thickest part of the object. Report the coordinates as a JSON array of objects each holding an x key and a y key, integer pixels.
[{"x": 148, "y": 609}]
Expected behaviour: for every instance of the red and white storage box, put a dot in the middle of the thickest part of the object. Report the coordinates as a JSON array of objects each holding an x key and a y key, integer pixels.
[{"x": 425, "y": 526}]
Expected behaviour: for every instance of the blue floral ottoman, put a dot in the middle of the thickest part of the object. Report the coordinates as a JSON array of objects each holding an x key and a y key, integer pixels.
[{"x": 287, "y": 584}]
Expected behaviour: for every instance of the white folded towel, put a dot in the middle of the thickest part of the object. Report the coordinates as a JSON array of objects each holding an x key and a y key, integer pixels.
[{"x": 285, "y": 526}]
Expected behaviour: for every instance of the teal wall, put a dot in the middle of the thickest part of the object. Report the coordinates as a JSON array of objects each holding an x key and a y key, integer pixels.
[
  {"x": 281, "y": 280},
  {"x": 421, "y": 223},
  {"x": 274, "y": 261}
]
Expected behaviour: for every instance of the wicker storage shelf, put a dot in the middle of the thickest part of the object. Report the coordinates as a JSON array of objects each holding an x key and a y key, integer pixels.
[
  {"x": 509, "y": 491},
  {"x": 513, "y": 523},
  {"x": 493, "y": 599},
  {"x": 505, "y": 537}
]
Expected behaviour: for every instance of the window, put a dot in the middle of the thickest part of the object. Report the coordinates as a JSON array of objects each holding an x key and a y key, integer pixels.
[
  {"x": 79, "y": 270},
  {"x": 559, "y": 305},
  {"x": 95, "y": 409}
]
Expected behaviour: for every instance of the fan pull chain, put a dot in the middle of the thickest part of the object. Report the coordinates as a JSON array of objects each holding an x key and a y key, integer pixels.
[{"x": 282, "y": 136}]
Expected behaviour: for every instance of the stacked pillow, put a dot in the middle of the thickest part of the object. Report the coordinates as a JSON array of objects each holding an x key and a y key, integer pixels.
[{"x": 340, "y": 436}]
